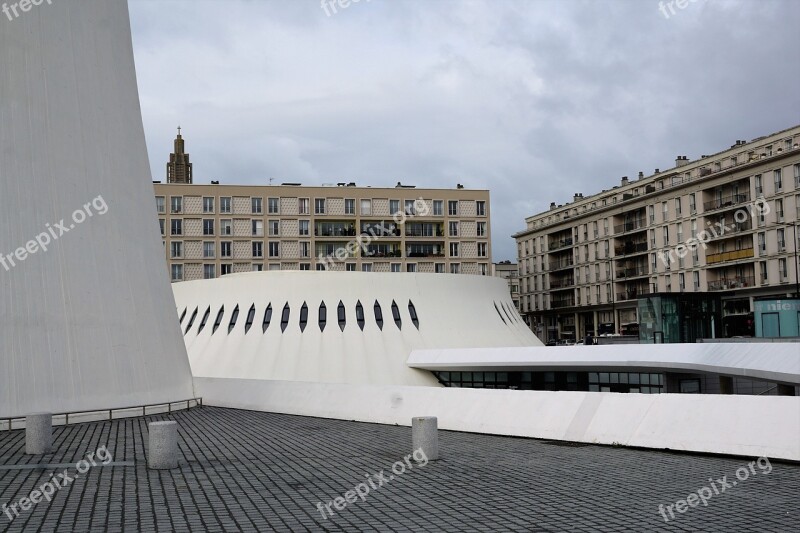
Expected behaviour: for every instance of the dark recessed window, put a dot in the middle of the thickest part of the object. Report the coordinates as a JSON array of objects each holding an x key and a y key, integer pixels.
[
  {"x": 360, "y": 315},
  {"x": 251, "y": 315},
  {"x": 499, "y": 314},
  {"x": 413, "y": 312},
  {"x": 218, "y": 320},
  {"x": 285, "y": 317},
  {"x": 191, "y": 321},
  {"x": 340, "y": 315},
  {"x": 378, "y": 315},
  {"x": 205, "y": 319},
  {"x": 396, "y": 315},
  {"x": 323, "y": 316},
  {"x": 234, "y": 317},
  {"x": 303, "y": 317},
  {"x": 183, "y": 315},
  {"x": 267, "y": 319}
]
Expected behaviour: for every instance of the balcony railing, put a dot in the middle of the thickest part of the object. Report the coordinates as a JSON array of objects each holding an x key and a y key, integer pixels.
[
  {"x": 732, "y": 283},
  {"x": 555, "y": 304},
  {"x": 727, "y": 201},
  {"x": 631, "y": 225},
  {"x": 733, "y": 255},
  {"x": 562, "y": 283},
  {"x": 557, "y": 244},
  {"x": 630, "y": 248},
  {"x": 731, "y": 229}
]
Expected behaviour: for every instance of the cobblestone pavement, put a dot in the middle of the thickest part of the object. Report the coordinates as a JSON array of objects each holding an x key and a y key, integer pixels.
[{"x": 251, "y": 471}]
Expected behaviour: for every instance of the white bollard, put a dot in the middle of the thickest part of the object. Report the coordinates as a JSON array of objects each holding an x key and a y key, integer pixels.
[
  {"x": 162, "y": 454},
  {"x": 38, "y": 433},
  {"x": 424, "y": 436}
]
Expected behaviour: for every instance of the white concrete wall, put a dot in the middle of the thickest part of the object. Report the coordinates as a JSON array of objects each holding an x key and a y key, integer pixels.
[
  {"x": 737, "y": 425},
  {"x": 89, "y": 323},
  {"x": 455, "y": 311}
]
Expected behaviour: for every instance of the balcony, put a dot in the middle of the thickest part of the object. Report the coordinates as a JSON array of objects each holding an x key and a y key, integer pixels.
[
  {"x": 563, "y": 263},
  {"x": 632, "y": 294},
  {"x": 726, "y": 284},
  {"x": 733, "y": 255},
  {"x": 562, "y": 283},
  {"x": 558, "y": 244},
  {"x": 632, "y": 272},
  {"x": 726, "y": 201},
  {"x": 630, "y": 248},
  {"x": 631, "y": 225},
  {"x": 731, "y": 229},
  {"x": 567, "y": 302}
]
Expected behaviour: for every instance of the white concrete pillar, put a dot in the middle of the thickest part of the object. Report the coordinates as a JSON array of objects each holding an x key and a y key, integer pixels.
[
  {"x": 38, "y": 433},
  {"x": 162, "y": 453},
  {"x": 424, "y": 435}
]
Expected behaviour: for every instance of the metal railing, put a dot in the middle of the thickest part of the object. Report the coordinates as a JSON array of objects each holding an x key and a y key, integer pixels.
[
  {"x": 198, "y": 402},
  {"x": 733, "y": 255},
  {"x": 740, "y": 282},
  {"x": 726, "y": 201}
]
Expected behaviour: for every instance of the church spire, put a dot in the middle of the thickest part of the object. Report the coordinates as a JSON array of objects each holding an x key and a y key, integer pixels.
[{"x": 179, "y": 169}]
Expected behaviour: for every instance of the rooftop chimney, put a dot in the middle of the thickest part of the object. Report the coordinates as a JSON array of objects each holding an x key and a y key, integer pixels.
[
  {"x": 624, "y": 180},
  {"x": 552, "y": 205},
  {"x": 681, "y": 160},
  {"x": 641, "y": 175}
]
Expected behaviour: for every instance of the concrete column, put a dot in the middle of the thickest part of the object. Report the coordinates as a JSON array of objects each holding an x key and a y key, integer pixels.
[
  {"x": 38, "y": 433},
  {"x": 162, "y": 454},
  {"x": 424, "y": 435}
]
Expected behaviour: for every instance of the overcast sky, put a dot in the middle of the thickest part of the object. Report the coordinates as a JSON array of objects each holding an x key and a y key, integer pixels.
[{"x": 532, "y": 99}]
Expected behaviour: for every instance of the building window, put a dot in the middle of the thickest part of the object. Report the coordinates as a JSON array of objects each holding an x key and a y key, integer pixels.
[
  {"x": 319, "y": 206},
  {"x": 209, "y": 250},
  {"x": 682, "y": 281},
  {"x": 257, "y": 227},
  {"x": 176, "y": 249},
  {"x": 225, "y": 249},
  {"x": 303, "y": 228},
  {"x": 366, "y": 207},
  {"x": 480, "y": 208},
  {"x": 176, "y": 226},
  {"x": 208, "y": 226},
  {"x": 678, "y": 210},
  {"x": 778, "y": 180},
  {"x": 779, "y": 210},
  {"x": 438, "y": 207},
  {"x": 274, "y": 249},
  {"x": 258, "y": 249},
  {"x": 394, "y": 207},
  {"x": 438, "y": 268},
  {"x": 305, "y": 248},
  {"x": 797, "y": 178},
  {"x": 350, "y": 267},
  {"x": 410, "y": 208},
  {"x": 453, "y": 249},
  {"x": 177, "y": 272},
  {"x": 305, "y": 266},
  {"x": 302, "y": 206},
  {"x": 759, "y": 186},
  {"x": 782, "y": 269},
  {"x": 452, "y": 208},
  {"x": 274, "y": 228},
  {"x": 692, "y": 204},
  {"x": 208, "y": 204},
  {"x": 366, "y": 267},
  {"x": 395, "y": 267},
  {"x": 226, "y": 227},
  {"x": 255, "y": 206},
  {"x": 274, "y": 206},
  {"x": 160, "y": 204},
  {"x": 161, "y": 223},
  {"x": 696, "y": 281},
  {"x": 455, "y": 268},
  {"x": 763, "y": 268},
  {"x": 481, "y": 229},
  {"x": 453, "y": 229},
  {"x": 176, "y": 204},
  {"x": 209, "y": 271},
  {"x": 225, "y": 204},
  {"x": 482, "y": 249},
  {"x": 762, "y": 243},
  {"x": 781, "y": 240},
  {"x": 411, "y": 267},
  {"x": 349, "y": 206}
]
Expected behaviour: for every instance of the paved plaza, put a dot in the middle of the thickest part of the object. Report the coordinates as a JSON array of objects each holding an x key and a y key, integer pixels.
[{"x": 251, "y": 471}]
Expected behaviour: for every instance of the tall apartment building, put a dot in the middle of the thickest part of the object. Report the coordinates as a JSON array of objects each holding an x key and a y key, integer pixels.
[
  {"x": 583, "y": 265},
  {"x": 212, "y": 230}
]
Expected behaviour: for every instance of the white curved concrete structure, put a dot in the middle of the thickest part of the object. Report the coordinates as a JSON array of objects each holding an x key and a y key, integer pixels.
[
  {"x": 452, "y": 311},
  {"x": 86, "y": 315}
]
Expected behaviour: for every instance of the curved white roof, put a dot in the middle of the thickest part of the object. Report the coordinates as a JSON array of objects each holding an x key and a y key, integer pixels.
[{"x": 372, "y": 322}]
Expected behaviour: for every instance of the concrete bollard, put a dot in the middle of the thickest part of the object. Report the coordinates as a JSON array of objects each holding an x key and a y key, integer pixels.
[
  {"x": 162, "y": 454},
  {"x": 424, "y": 436},
  {"x": 38, "y": 433}
]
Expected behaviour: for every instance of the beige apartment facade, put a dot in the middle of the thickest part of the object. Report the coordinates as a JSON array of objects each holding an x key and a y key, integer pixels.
[
  {"x": 212, "y": 230},
  {"x": 724, "y": 224}
]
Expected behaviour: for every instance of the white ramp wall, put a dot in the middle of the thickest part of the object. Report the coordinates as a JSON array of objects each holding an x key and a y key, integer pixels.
[
  {"x": 737, "y": 425},
  {"x": 87, "y": 318}
]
